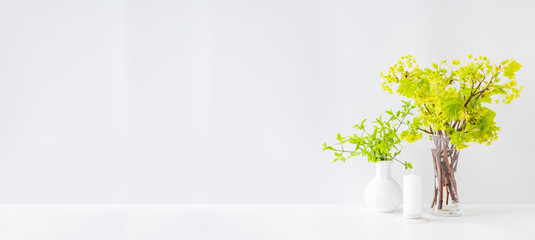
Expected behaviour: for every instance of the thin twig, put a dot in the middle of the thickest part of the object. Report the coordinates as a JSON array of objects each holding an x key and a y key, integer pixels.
[
  {"x": 399, "y": 161},
  {"x": 401, "y": 122},
  {"x": 425, "y": 131},
  {"x": 344, "y": 151}
]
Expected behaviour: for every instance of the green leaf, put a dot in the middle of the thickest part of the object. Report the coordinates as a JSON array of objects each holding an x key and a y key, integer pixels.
[
  {"x": 453, "y": 107},
  {"x": 328, "y": 148},
  {"x": 510, "y": 69},
  {"x": 361, "y": 125},
  {"x": 515, "y": 66}
]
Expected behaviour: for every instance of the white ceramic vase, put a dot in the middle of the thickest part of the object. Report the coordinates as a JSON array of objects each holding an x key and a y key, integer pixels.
[{"x": 383, "y": 193}]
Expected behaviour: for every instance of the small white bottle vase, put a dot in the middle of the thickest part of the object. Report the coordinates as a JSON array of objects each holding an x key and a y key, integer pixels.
[{"x": 383, "y": 193}]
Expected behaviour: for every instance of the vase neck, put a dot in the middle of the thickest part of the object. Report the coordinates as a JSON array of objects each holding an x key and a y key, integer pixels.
[{"x": 382, "y": 169}]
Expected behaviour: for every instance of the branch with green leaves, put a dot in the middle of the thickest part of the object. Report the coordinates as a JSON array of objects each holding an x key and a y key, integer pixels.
[
  {"x": 382, "y": 143},
  {"x": 454, "y": 99}
]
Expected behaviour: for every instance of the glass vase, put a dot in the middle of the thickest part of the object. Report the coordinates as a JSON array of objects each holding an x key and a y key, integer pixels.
[{"x": 445, "y": 158}]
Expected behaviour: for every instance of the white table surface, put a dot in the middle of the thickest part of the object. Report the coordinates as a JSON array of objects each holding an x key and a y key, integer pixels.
[{"x": 251, "y": 221}]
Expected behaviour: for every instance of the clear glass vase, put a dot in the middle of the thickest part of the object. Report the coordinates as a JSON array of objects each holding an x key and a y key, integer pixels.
[{"x": 445, "y": 159}]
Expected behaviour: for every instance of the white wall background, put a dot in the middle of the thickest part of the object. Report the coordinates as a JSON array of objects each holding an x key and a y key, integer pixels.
[{"x": 229, "y": 101}]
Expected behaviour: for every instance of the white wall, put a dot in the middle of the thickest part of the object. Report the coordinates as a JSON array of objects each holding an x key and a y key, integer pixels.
[
  {"x": 62, "y": 101},
  {"x": 230, "y": 101}
]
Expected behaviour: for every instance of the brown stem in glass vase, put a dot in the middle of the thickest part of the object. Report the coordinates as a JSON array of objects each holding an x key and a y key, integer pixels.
[
  {"x": 454, "y": 162},
  {"x": 445, "y": 159},
  {"x": 454, "y": 169},
  {"x": 447, "y": 196},
  {"x": 450, "y": 178},
  {"x": 436, "y": 176},
  {"x": 440, "y": 179},
  {"x": 449, "y": 162}
]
